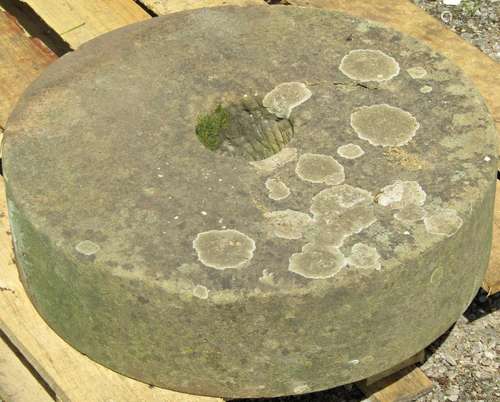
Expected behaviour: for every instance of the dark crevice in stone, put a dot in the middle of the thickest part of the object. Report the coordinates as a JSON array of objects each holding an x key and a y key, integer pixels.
[
  {"x": 246, "y": 129},
  {"x": 35, "y": 26},
  {"x": 278, "y": 3},
  {"x": 146, "y": 8},
  {"x": 28, "y": 365}
]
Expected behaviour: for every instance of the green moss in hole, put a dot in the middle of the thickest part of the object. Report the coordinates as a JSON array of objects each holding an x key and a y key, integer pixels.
[{"x": 208, "y": 129}]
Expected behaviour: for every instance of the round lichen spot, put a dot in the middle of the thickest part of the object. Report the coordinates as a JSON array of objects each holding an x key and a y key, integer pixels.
[
  {"x": 286, "y": 96},
  {"x": 401, "y": 194},
  {"x": 224, "y": 249},
  {"x": 200, "y": 291},
  {"x": 339, "y": 212},
  {"x": 369, "y": 65},
  {"x": 317, "y": 263},
  {"x": 301, "y": 389},
  {"x": 87, "y": 247},
  {"x": 384, "y": 125},
  {"x": 350, "y": 151},
  {"x": 245, "y": 129},
  {"x": 410, "y": 214},
  {"x": 288, "y": 224},
  {"x": 277, "y": 189},
  {"x": 426, "y": 89},
  {"x": 364, "y": 257},
  {"x": 333, "y": 201},
  {"x": 417, "y": 72},
  {"x": 445, "y": 222},
  {"x": 318, "y": 168}
]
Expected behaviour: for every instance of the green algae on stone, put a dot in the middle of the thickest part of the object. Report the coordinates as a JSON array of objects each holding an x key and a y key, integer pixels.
[{"x": 209, "y": 127}]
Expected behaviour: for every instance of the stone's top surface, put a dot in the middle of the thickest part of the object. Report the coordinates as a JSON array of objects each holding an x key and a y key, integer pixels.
[{"x": 389, "y": 151}]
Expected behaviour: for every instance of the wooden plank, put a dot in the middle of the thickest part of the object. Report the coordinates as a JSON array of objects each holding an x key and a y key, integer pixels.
[
  {"x": 162, "y": 7},
  {"x": 404, "y": 386},
  {"x": 22, "y": 58},
  {"x": 78, "y": 21},
  {"x": 408, "y": 18},
  {"x": 73, "y": 376},
  {"x": 491, "y": 282},
  {"x": 17, "y": 384},
  {"x": 418, "y": 358}
]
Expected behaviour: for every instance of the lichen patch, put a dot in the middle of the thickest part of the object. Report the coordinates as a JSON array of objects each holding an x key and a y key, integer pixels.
[
  {"x": 417, "y": 72},
  {"x": 410, "y": 214},
  {"x": 200, "y": 292},
  {"x": 445, "y": 222},
  {"x": 364, "y": 257},
  {"x": 401, "y": 194},
  {"x": 288, "y": 224},
  {"x": 426, "y": 89},
  {"x": 269, "y": 165},
  {"x": 286, "y": 96},
  {"x": 384, "y": 125},
  {"x": 277, "y": 189},
  {"x": 224, "y": 249},
  {"x": 339, "y": 212},
  {"x": 87, "y": 247},
  {"x": 369, "y": 65},
  {"x": 319, "y": 168},
  {"x": 317, "y": 263},
  {"x": 350, "y": 151}
]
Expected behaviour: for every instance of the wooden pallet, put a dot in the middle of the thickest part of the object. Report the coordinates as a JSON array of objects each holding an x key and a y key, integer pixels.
[{"x": 37, "y": 365}]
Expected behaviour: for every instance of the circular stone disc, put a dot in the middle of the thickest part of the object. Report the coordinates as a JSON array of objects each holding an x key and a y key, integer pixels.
[{"x": 360, "y": 238}]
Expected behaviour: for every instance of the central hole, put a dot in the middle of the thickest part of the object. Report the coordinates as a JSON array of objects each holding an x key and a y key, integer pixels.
[{"x": 246, "y": 129}]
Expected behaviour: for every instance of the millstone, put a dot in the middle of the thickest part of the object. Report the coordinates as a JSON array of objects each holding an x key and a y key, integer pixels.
[{"x": 251, "y": 201}]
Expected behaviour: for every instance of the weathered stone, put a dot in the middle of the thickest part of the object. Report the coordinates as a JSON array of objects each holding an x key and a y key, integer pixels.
[{"x": 167, "y": 251}]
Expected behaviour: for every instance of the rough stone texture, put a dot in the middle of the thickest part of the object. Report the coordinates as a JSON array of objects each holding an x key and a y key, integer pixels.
[{"x": 112, "y": 261}]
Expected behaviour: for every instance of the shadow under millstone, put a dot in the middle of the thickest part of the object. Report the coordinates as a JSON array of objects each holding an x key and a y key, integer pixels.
[
  {"x": 346, "y": 393},
  {"x": 482, "y": 305}
]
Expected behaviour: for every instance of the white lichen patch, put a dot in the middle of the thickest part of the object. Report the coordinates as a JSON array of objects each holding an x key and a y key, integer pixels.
[
  {"x": 445, "y": 222},
  {"x": 401, "y": 194},
  {"x": 369, "y": 65},
  {"x": 87, "y": 247},
  {"x": 278, "y": 160},
  {"x": 417, "y": 72},
  {"x": 350, "y": 151},
  {"x": 286, "y": 96},
  {"x": 384, "y": 125},
  {"x": 317, "y": 263},
  {"x": 301, "y": 389},
  {"x": 319, "y": 168},
  {"x": 410, "y": 214},
  {"x": 332, "y": 202},
  {"x": 288, "y": 224},
  {"x": 277, "y": 189},
  {"x": 200, "y": 291},
  {"x": 267, "y": 278},
  {"x": 426, "y": 89},
  {"x": 364, "y": 257},
  {"x": 339, "y": 212},
  {"x": 224, "y": 249}
]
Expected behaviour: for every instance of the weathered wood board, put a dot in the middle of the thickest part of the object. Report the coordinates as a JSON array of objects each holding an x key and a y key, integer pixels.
[
  {"x": 22, "y": 58},
  {"x": 162, "y": 7},
  {"x": 72, "y": 376},
  {"x": 17, "y": 384},
  {"x": 78, "y": 21},
  {"x": 408, "y": 18},
  {"x": 404, "y": 386}
]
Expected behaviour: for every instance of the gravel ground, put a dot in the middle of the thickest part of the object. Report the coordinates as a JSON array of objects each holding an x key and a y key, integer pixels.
[{"x": 477, "y": 21}]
